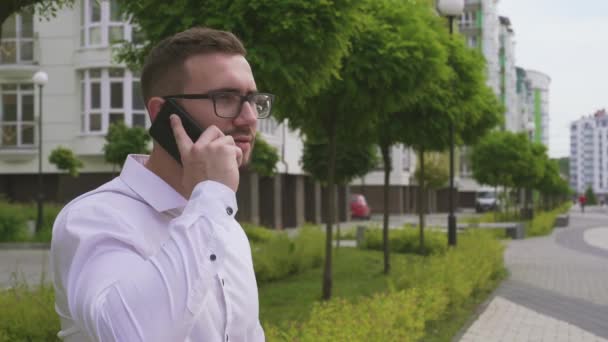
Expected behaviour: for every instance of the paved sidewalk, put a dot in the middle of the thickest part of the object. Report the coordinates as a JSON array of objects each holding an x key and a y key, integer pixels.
[{"x": 557, "y": 289}]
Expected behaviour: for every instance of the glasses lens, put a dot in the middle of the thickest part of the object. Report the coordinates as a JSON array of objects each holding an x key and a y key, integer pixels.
[
  {"x": 226, "y": 104},
  {"x": 262, "y": 104}
]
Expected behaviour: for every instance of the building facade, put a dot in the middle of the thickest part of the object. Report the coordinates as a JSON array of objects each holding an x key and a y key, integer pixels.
[
  {"x": 589, "y": 154},
  {"x": 539, "y": 84}
]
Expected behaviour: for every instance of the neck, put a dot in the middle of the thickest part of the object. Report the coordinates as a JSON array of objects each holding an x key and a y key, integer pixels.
[{"x": 165, "y": 167}]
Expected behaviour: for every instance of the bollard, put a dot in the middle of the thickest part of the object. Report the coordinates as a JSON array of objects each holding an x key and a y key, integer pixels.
[{"x": 360, "y": 235}]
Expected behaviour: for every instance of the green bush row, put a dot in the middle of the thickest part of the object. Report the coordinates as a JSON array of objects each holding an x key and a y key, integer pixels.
[
  {"x": 406, "y": 240},
  {"x": 544, "y": 222},
  {"x": 14, "y": 217},
  {"x": 276, "y": 256},
  {"x": 428, "y": 290}
]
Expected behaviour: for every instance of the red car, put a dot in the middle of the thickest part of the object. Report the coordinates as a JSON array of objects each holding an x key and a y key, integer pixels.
[{"x": 358, "y": 207}]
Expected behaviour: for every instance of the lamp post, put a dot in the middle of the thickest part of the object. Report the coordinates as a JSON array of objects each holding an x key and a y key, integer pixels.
[
  {"x": 40, "y": 78},
  {"x": 451, "y": 9}
]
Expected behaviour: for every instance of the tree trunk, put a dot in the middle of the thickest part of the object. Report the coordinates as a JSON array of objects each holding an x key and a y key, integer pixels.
[
  {"x": 421, "y": 198},
  {"x": 327, "y": 271},
  {"x": 387, "y": 172},
  {"x": 337, "y": 217}
]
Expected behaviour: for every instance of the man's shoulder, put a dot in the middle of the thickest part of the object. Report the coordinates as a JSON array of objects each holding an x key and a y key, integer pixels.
[{"x": 110, "y": 201}]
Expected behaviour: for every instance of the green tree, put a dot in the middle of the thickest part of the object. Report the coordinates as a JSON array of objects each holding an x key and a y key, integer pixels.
[
  {"x": 436, "y": 173},
  {"x": 393, "y": 53},
  {"x": 264, "y": 157},
  {"x": 64, "y": 159},
  {"x": 353, "y": 159},
  {"x": 590, "y": 195},
  {"x": 564, "y": 166},
  {"x": 457, "y": 99},
  {"x": 122, "y": 141}
]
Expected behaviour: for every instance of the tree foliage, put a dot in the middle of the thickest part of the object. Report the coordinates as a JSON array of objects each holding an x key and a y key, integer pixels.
[
  {"x": 353, "y": 159},
  {"x": 436, "y": 172},
  {"x": 64, "y": 159},
  {"x": 264, "y": 157},
  {"x": 122, "y": 141},
  {"x": 294, "y": 47}
]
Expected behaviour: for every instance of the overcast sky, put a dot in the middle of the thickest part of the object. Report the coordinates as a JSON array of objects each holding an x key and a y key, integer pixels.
[{"x": 567, "y": 40}]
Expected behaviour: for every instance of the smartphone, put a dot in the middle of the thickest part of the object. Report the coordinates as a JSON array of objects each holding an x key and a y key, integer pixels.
[{"x": 162, "y": 132}]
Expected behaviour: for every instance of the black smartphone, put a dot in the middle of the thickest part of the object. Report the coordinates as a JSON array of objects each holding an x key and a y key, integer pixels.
[{"x": 162, "y": 132}]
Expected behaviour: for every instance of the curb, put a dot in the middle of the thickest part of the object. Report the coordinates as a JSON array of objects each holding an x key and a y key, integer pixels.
[{"x": 24, "y": 245}]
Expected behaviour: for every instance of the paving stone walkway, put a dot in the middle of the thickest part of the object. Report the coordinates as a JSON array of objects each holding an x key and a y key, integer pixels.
[{"x": 557, "y": 289}]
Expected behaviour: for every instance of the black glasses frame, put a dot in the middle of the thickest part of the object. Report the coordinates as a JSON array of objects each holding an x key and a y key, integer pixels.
[{"x": 211, "y": 96}]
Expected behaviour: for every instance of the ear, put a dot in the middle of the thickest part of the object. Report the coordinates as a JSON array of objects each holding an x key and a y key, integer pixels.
[{"x": 154, "y": 105}]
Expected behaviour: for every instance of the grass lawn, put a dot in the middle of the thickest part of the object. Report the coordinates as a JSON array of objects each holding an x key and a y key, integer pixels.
[{"x": 357, "y": 273}]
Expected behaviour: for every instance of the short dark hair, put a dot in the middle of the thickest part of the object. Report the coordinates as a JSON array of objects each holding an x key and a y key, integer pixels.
[{"x": 163, "y": 71}]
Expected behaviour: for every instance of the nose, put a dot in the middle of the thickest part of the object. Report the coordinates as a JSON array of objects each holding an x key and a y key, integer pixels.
[{"x": 247, "y": 116}]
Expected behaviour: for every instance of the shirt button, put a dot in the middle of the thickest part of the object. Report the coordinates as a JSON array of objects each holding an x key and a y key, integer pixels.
[
  {"x": 229, "y": 210},
  {"x": 212, "y": 257}
]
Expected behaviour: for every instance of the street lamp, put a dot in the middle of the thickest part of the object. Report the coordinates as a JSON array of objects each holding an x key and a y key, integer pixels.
[
  {"x": 40, "y": 78},
  {"x": 451, "y": 9}
]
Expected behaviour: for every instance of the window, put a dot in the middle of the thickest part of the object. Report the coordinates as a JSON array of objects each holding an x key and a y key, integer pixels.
[
  {"x": 472, "y": 41},
  {"x": 17, "y": 115},
  {"x": 17, "y": 43},
  {"x": 467, "y": 19},
  {"x": 406, "y": 158},
  {"x": 102, "y": 24},
  {"x": 109, "y": 95}
]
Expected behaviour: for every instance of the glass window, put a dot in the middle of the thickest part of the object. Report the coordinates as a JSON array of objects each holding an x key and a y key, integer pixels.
[
  {"x": 95, "y": 95},
  {"x": 27, "y": 25},
  {"x": 139, "y": 120},
  {"x": 9, "y": 28},
  {"x": 112, "y": 95},
  {"x": 138, "y": 99},
  {"x": 116, "y": 95},
  {"x": 27, "y": 107},
  {"x": 95, "y": 122},
  {"x": 103, "y": 24},
  {"x": 17, "y": 115}
]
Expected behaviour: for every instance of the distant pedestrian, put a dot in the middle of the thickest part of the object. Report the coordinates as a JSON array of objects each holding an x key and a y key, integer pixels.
[{"x": 582, "y": 200}]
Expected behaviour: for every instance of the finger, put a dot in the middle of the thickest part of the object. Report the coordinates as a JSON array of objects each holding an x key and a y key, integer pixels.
[
  {"x": 210, "y": 134},
  {"x": 182, "y": 139},
  {"x": 239, "y": 156}
]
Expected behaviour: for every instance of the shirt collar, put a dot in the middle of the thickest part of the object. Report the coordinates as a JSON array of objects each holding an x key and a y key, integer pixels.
[{"x": 151, "y": 188}]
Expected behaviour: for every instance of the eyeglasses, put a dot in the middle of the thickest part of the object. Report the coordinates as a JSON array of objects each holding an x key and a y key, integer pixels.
[{"x": 228, "y": 104}]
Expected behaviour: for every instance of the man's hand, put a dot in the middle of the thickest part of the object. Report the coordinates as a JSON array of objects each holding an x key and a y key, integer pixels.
[{"x": 214, "y": 156}]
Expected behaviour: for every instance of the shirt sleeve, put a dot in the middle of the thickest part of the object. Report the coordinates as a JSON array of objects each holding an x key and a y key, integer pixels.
[{"x": 115, "y": 293}]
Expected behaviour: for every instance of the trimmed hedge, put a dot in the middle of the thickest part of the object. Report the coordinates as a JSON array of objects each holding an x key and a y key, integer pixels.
[
  {"x": 276, "y": 256},
  {"x": 428, "y": 291},
  {"x": 544, "y": 222},
  {"x": 406, "y": 240},
  {"x": 14, "y": 217}
]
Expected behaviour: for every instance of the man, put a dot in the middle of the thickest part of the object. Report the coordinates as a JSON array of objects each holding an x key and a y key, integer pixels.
[
  {"x": 582, "y": 200},
  {"x": 156, "y": 254}
]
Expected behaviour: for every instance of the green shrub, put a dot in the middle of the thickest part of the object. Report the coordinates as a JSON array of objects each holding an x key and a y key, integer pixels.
[
  {"x": 257, "y": 233},
  {"x": 406, "y": 240},
  {"x": 309, "y": 249},
  {"x": 397, "y": 316},
  {"x": 276, "y": 256},
  {"x": 28, "y": 314},
  {"x": 13, "y": 223},
  {"x": 427, "y": 290},
  {"x": 544, "y": 222}
]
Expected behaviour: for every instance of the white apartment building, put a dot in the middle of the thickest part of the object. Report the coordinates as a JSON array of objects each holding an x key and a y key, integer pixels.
[
  {"x": 539, "y": 84},
  {"x": 508, "y": 76},
  {"x": 589, "y": 154}
]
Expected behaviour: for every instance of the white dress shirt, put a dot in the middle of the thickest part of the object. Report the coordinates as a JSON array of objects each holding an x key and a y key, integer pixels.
[{"x": 135, "y": 261}]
